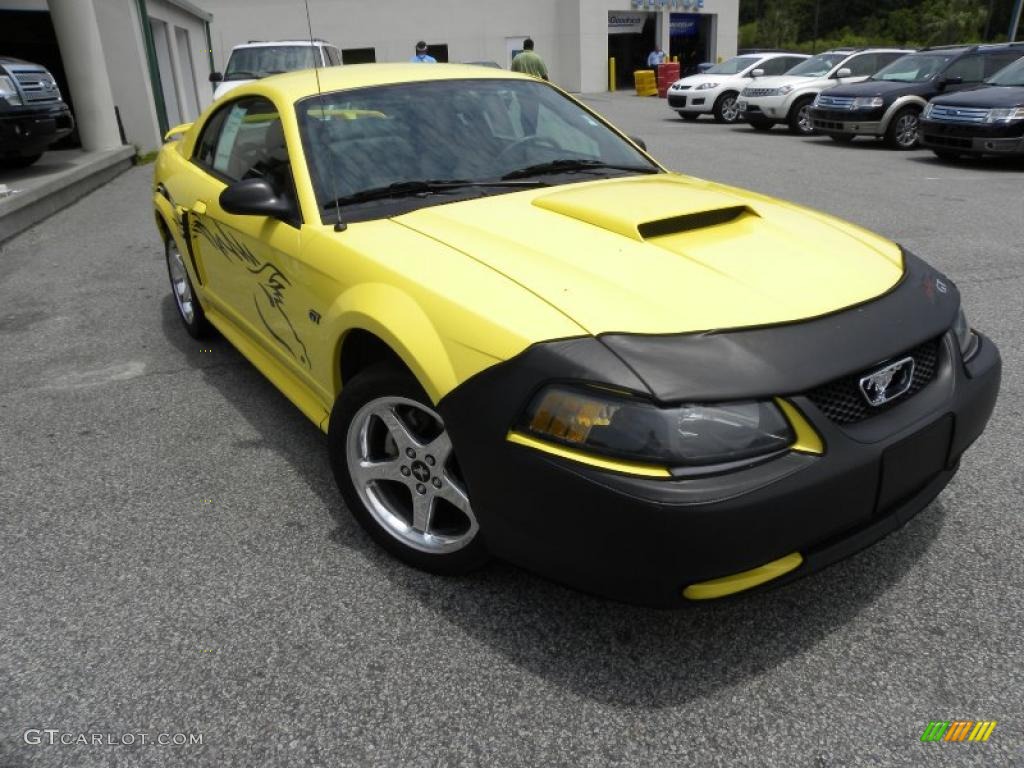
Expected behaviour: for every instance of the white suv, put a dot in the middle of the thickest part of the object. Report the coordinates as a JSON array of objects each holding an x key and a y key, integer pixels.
[
  {"x": 257, "y": 59},
  {"x": 787, "y": 99},
  {"x": 715, "y": 91}
]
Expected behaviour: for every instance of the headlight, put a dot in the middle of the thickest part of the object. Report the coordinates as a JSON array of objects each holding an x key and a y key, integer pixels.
[
  {"x": 1009, "y": 115},
  {"x": 706, "y": 86},
  {"x": 783, "y": 90},
  {"x": 639, "y": 430},
  {"x": 9, "y": 92},
  {"x": 965, "y": 337},
  {"x": 867, "y": 102}
]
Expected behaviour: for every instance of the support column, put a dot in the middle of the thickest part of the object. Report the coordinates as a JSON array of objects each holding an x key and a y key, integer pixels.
[{"x": 78, "y": 35}]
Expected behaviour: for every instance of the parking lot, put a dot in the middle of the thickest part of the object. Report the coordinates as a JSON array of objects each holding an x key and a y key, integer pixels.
[{"x": 177, "y": 559}]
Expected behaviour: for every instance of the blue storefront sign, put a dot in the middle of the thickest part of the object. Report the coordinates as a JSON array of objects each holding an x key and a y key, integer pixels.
[{"x": 684, "y": 24}]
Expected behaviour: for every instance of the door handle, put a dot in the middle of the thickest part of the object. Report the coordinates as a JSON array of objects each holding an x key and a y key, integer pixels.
[{"x": 199, "y": 208}]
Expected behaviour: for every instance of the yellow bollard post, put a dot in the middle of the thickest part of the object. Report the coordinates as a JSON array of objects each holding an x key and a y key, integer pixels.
[{"x": 611, "y": 74}]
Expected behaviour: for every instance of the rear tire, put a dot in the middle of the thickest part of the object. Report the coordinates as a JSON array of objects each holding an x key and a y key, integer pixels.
[
  {"x": 725, "y": 109},
  {"x": 185, "y": 299},
  {"x": 395, "y": 466},
  {"x": 904, "y": 128},
  {"x": 799, "y": 119}
]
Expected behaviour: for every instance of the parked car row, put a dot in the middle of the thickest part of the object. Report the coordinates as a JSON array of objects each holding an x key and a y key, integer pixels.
[{"x": 955, "y": 100}]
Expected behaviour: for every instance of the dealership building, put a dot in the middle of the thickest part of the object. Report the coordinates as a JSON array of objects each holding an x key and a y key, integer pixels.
[{"x": 132, "y": 68}]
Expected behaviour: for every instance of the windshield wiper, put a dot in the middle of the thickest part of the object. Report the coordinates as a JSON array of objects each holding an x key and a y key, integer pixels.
[
  {"x": 410, "y": 188},
  {"x": 569, "y": 165}
]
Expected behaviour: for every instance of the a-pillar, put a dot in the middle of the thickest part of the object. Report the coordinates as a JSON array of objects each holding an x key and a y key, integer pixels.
[{"x": 81, "y": 51}]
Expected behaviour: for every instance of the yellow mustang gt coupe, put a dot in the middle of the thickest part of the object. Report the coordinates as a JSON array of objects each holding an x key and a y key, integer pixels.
[{"x": 525, "y": 338}]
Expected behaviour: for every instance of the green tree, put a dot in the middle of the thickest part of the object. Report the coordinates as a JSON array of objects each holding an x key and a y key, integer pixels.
[{"x": 952, "y": 21}]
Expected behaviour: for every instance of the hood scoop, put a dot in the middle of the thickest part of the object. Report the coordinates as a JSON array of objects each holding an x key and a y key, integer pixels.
[
  {"x": 645, "y": 208},
  {"x": 690, "y": 221}
]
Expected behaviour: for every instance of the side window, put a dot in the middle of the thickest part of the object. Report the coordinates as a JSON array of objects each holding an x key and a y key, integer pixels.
[
  {"x": 207, "y": 143},
  {"x": 863, "y": 65},
  {"x": 791, "y": 61},
  {"x": 997, "y": 61},
  {"x": 969, "y": 68},
  {"x": 885, "y": 59},
  {"x": 775, "y": 66}
]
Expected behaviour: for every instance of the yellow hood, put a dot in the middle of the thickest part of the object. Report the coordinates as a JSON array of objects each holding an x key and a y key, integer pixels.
[{"x": 667, "y": 253}]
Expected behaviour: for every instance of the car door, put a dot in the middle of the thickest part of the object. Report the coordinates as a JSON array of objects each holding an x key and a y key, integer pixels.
[{"x": 250, "y": 262}]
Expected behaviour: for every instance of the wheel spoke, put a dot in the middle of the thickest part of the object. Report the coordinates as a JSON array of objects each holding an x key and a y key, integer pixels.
[
  {"x": 454, "y": 495},
  {"x": 381, "y": 470},
  {"x": 422, "y": 511},
  {"x": 400, "y": 433},
  {"x": 440, "y": 448}
]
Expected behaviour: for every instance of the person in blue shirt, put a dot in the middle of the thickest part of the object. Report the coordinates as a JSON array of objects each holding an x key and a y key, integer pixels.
[
  {"x": 656, "y": 57},
  {"x": 422, "y": 57}
]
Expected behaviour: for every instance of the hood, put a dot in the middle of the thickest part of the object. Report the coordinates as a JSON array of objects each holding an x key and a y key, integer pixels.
[
  {"x": 667, "y": 253},
  {"x": 694, "y": 80},
  {"x": 878, "y": 88},
  {"x": 985, "y": 96},
  {"x": 777, "y": 81}
]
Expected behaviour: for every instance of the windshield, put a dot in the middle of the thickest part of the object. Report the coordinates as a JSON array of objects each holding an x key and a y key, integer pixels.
[
  {"x": 817, "y": 66},
  {"x": 1011, "y": 75},
  {"x": 487, "y": 130},
  {"x": 914, "y": 68},
  {"x": 249, "y": 63},
  {"x": 733, "y": 66}
]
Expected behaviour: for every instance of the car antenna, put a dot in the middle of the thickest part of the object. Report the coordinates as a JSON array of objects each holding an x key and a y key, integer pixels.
[{"x": 339, "y": 225}]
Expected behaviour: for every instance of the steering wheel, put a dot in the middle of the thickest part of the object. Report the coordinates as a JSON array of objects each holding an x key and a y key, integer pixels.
[{"x": 526, "y": 142}]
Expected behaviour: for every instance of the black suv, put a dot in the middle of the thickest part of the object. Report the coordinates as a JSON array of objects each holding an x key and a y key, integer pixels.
[
  {"x": 981, "y": 121},
  {"x": 32, "y": 114},
  {"x": 889, "y": 104}
]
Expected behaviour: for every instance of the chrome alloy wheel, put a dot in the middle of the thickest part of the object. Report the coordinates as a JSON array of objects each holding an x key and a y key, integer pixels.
[
  {"x": 730, "y": 110},
  {"x": 803, "y": 119},
  {"x": 906, "y": 129},
  {"x": 179, "y": 283},
  {"x": 401, "y": 463}
]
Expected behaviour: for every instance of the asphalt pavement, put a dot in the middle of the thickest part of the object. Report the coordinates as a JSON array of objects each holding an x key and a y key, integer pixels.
[{"x": 175, "y": 559}]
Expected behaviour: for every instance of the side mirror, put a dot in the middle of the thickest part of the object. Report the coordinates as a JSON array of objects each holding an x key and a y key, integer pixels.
[
  {"x": 757, "y": 73},
  {"x": 639, "y": 142},
  {"x": 945, "y": 82},
  {"x": 254, "y": 197},
  {"x": 844, "y": 72},
  {"x": 216, "y": 77}
]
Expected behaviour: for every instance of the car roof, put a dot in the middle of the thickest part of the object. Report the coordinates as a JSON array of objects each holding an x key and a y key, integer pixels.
[
  {"x": 302, "y": 83},
  {"x": 267, "y": 43}
]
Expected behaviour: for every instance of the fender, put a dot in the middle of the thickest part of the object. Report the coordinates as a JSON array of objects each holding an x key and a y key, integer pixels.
[
  {"x": 897, "y": 105},
  {"x": 395, "y": 318}
]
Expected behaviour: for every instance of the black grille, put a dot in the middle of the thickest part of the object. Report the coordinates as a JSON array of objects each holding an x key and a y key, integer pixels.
[{"x": 842, "y": 401}]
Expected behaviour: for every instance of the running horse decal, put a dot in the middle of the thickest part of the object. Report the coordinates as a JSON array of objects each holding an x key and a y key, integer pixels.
[{"x": 269, "y": 292}]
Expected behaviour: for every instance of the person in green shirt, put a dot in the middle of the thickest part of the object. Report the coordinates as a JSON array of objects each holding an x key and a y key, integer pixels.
[{"x": 529, "y": 62}]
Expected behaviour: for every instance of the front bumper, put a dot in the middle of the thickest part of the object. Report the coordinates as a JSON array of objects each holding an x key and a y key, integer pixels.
[
  {"x": 644, "y": 540},
  {"x": 698, "y": 102},
  {"x": 773, "y": 108},
  {"x": 867, "y": 123},
  {"x": 973, "y": 139},
  {"x": 31, "y": 129}
]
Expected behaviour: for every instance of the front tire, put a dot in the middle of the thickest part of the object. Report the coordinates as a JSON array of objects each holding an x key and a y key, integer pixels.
[
  {"x": 799, "y": 119},
  {"x": 395, "y": 466},
  {"x": 725, "y": 109},
  {"x": 189, "y": 309},
  {"x": 903, "y": 129},
  {"x": 947, "y": 154},
  {"x": 14, "y": 162},
  {"x": 760, "y": 124},
  {"x": 842, "y": 138}
]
